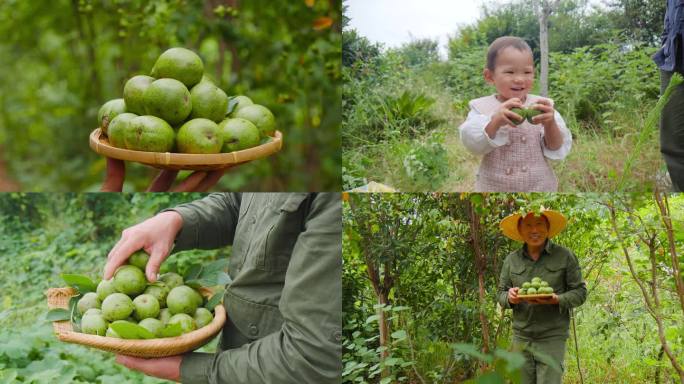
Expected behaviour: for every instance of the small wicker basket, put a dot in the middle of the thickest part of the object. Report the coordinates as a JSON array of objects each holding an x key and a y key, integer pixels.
[
  {"x": 185, "y": 161},
  {"x": 59, "y": 298}
]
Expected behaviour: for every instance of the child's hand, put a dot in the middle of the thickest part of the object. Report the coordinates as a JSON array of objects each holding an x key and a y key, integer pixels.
[
  {"x": 547, "y": 115},
  {"x": 504, "y": 116},
  {"x": 552, "y": 134}
]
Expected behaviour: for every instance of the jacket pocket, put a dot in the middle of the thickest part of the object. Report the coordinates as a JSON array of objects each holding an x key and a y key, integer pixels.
[
  {"x": 518, "y": 274},
  {"x": 286, "y": 222},
  {"x": 555, "y": 276},
  {"x": 252, "y": 320}
]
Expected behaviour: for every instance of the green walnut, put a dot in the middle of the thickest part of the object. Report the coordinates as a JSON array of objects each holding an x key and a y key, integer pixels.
[
  {"x": 531, "y": 291},
  {"x": 525, "y": 113}
]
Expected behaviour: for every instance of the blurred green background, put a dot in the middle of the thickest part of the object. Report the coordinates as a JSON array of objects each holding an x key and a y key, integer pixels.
[{"x": 61, "y": 60}]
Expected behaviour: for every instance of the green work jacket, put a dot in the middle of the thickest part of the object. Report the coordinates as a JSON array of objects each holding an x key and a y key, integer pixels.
[
  {"x": 559, "y": 267},
  {"x": 284, "y": 304}
]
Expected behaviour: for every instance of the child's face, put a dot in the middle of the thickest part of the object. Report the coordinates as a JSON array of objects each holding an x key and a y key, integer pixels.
[{"x": 513, "y": 74}]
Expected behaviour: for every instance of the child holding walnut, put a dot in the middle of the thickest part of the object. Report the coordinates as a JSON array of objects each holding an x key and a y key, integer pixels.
[{"x": 515, "y": 157}]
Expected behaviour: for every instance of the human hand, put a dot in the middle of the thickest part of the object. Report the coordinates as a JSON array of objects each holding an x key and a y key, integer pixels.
[
  {"x": 549, "y": 300},
  {"x": 155, "y": 235},
  {"x": 167, "y": 368},
  {"x": 503, "y": 116},
  {"x": 199, "y": 181},
  {"x": 513, "y": 295},
  {"x": 552, "y": 133},
  {"x": 547, "y": 115}
]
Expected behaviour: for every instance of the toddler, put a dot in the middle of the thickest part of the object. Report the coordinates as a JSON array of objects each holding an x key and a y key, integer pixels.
[{"x": 514, "y": 156}]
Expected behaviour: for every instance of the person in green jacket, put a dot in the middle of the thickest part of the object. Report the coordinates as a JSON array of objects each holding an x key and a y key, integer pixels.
[
  {"x": 284, "y": 303},
  {"x": 540, "y": 325}
]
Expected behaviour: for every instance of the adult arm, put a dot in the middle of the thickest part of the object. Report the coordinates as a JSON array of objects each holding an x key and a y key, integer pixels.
[
  {"x": 576, "y": 290},
  {"x": 505, "y": 283},
  {"x": 208, "y": 223},
  {"x": 307, "y": 348}
]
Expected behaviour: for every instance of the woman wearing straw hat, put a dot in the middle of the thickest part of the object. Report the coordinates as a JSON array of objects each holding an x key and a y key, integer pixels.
[{"x": 540, "y": 325}]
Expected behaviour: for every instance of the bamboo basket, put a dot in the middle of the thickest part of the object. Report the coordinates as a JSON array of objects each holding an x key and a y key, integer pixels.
[
  {"x": 170, "y": 346},
  {"x": 536, "y": 296},
  {"x": 185, "y": 161}
]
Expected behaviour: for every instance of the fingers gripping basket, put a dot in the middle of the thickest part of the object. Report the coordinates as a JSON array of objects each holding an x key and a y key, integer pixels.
[{"x": 59, "y": 298}]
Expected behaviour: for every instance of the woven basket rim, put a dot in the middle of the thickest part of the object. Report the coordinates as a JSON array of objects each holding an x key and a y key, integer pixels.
[
  {"x": 143, "y": 348},
  {"x": 100, "y": 144}
]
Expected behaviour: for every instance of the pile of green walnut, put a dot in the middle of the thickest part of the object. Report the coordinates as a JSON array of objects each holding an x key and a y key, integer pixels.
[
  {"x": 178, "y": 109},
  {"x": 128, "y": 297},
  {"x": 535, "y": 287},
  {"x": 525, "y": 114}
]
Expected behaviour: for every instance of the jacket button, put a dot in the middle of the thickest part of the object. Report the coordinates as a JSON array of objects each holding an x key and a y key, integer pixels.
[
  {"x": 338, "y": 336},
  {"x": 253, "y": 220},
  {"x": 253, "y": 330},
  {"x": 509, "y": 171},
  {"x": 524, "y": 139},
  {"x": 524, "y": 168}
]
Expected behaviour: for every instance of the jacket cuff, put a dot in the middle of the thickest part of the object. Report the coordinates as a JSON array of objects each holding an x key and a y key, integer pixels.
[
  {"x": 188, "y": 236},
  {"x": 563, "y": 303},
  {"x": 194, "y": 368}
]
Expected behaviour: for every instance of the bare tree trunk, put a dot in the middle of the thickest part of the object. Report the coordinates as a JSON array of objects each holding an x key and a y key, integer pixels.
[
  {"x": 544, "y": 13},
  {"x": 480, "y": 263},
  {"x": 6, "y": 183}
]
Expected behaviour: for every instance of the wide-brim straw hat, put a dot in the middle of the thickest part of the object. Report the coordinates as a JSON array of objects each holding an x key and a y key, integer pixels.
[{"x": 509, "y": 225}]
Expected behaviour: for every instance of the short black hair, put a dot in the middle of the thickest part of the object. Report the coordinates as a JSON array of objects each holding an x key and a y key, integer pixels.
[{"x": 502, "y": 43}]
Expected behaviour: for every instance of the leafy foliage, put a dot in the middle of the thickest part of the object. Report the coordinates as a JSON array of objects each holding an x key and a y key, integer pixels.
[{"x": 423, "y": 245}]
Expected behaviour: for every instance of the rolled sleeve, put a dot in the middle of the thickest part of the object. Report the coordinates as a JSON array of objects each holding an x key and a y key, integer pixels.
[
  {"x": 474, "y": 137},
  {"x": 562, "y": 152},
  {"x": 208, "y": 223},
  {"x": 576, "y": 292},
  {"x": 504, "y": 284},
  {"x": 307, "y": 348}
]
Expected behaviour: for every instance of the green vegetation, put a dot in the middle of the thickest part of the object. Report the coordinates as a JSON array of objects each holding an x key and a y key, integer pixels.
[
  {"x": 421, "y": 274},
  {"x": 45, "y": 235},
  {"x": 601, "y": 78},
  {"x": 284, "y": 55}
]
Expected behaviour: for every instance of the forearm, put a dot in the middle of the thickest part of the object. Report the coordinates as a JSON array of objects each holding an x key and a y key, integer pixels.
[
  {"x": 208, "y": 223},
  {"x": 307, "y": 348},
  {"x": 553, "y": 137}
]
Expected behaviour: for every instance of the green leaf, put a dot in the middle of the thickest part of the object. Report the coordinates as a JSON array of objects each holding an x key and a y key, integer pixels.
[
  {"x": 471, "y": 350},
  {"x": 193, "y": 272},
  {"x": 215, "y": 300},
  {"x": 491, "y": 378},
  {"x": 400, "y": 334},
  {"x": 82, "y": 283},
  {"x": 386, "y": 380},
  {"x": 232, "y": 102},
  {"x": 58, "y": 314},
  {"x": 223, "y": 279},
  {"x": 171, "y": 330},
  {"x": 128, "y": 330},
  {"x": 372, "y": 318}
]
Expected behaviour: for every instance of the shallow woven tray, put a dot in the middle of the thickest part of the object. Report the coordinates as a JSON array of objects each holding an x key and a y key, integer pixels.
[
  {"x": 59, "y": 298},
  {"x": 185, "y": 161},
  {"x": 537, "y": 296}
]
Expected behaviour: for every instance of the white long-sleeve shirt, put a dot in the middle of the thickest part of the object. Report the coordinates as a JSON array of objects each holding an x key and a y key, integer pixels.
[{"x": 478, "y": 142}]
